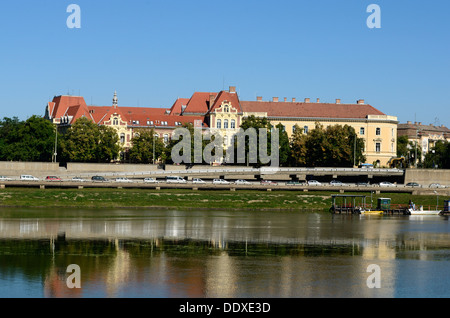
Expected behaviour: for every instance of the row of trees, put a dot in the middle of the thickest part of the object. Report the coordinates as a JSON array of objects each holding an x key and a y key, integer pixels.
[{"x": 85, "y": 141}]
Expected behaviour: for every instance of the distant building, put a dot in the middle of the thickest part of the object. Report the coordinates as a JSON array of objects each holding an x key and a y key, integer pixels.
[
  {"x": 223, "y": 111},
  {"x": 425, "y": 136}
]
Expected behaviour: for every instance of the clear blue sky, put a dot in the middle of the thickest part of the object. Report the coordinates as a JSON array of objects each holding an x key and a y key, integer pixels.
[{"x": 152, "y": 52}]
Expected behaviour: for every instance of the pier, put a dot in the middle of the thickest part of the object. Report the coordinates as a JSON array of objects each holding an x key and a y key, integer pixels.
[{"x": 356, "y": 204}]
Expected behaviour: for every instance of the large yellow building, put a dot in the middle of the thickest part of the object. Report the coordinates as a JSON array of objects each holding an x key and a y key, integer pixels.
[{"x": 378, "y": 130}]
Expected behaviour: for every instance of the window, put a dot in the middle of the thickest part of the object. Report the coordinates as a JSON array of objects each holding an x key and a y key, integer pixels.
[
  {"x": 226, "y": 110},
  {"x": 166, "y": 138},
  {"x": 115, "y": 121},
  {"x": 378, "y": 131},
  {"x": 293, "y": 129},
  {"x": 362, "y": 131},
  {"x": 305, "y": 129},
  {"x": 122, "y": 138},
  {"x": 219, "y": 123},
  {"x": 233, "y": 124},
  {"x": 225, "y": 124},
  {"x": 378, "y": 147}
]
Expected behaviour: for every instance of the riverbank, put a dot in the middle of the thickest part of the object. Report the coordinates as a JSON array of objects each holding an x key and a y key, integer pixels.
[{"x": 187, "y": 199}]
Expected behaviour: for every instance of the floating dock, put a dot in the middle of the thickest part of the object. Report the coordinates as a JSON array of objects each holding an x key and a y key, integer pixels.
[{"x": 356, "y": 204}]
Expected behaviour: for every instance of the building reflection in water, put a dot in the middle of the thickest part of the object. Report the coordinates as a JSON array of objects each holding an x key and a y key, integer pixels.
[{"x": 223, "y": 255}]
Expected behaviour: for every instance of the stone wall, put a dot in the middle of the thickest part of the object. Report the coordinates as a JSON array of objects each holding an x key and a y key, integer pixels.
[{"x": 427, "y": 176}]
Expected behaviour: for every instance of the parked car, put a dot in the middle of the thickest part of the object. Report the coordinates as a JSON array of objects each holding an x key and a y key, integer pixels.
[
  {"x": 150, "y": 180},
  {"x": 437, "y": 186},
  {"x": 52, "y": 178},
  {"x": 26, "y": 177},
  {"x": 269, "y": 182},
  {"x": 220, "y": 181},
  {"x": 314, "y": 183},
  {"x": 366, "y": 165},
  {"x": 242, "y": 182},
  {"x": 412, "y": 184},
  {"x": 99, "y": 179},
  {"x": 337, "y": 183},
  {"x": 175, "y": 179},
  {"x": 197, "y": 180},
  {"x": 78, "y": 179},
  {"x": 3, "y": 178},
  {"x": 362, "y": 184},
  {"x": 386, "y": 184},
  {"x": 124, "y": 180},
  {"x": 292, "y": 182}
]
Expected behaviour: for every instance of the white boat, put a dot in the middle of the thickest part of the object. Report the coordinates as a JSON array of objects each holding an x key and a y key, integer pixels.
[{"x": 421, "y": 211}]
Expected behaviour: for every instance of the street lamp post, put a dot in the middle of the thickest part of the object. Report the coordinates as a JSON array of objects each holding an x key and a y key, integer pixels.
[{"x": 55, "y": 153}]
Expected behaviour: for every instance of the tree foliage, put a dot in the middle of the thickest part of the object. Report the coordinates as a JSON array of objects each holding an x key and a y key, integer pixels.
[
  {"x": 30, "y": 140},
  {"x": 145, "y": 145},
  {"x": 439, "y": 156},
  {"x": 86, "y": 141}
]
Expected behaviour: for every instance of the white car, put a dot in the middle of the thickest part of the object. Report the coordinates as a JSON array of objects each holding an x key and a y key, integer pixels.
[
  {"x": 175, "y": 179},
  {"x": 197, "y": 180},
  {"x": 220, "y": 181},
  {"x": 314, "y": 183},
  {"x": 26, "y": 177},
  {"x": 150, "y": 180},
  {"x": 437, "y": 186},
  {"x": 125, "y": 180},
  {"x": 242, "y": 182},
  {"x": 386, "y": 184},
  {"x": 78, "y": 179},
  {"x": 3, "y": 178}
]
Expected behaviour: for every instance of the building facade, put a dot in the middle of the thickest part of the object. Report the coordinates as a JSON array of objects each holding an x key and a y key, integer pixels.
[{"x": 224, "y": 112}]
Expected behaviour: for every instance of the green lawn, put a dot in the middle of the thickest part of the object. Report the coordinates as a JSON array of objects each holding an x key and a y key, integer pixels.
[{"x": 183, "y": 198}]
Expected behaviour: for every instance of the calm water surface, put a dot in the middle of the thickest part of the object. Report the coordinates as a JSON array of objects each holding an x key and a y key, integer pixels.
[{"x": 155, "y": 253}]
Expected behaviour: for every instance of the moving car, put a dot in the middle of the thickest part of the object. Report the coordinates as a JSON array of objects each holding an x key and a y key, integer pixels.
[
  {"x": 124, "y": 180},
  {"x": 52, "y": 178},
  {"x": 412, "y": 184},
  {"x": 26, "y": 177},
  {"x": 242, "y": 182},
  {"x": 197, "y": 180},
  {"x": 99, "y": 179},
  {"x": 78, "y": 179},
  {"x": 292, "y": 182},
  {"x": 386, "y": 184},
  {"x": 175, "y": 179},
  {"x": 336, "y": 183},
  {"x": 314, "y": 183},
  {"x": 150, "y": 180},
  {"x": 437, "y": 186},
  {"x": 3, "y": 178},
  {"x": 220, "y": 181},
  {"x": 269, "y": 182}
]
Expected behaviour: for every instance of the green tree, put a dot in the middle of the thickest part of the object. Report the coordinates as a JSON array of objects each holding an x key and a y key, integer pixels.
[
  {"x": 144, "y": 145},
  {"x": 285, "y": 152},
  {"x": 86, "y": 141},
  {"x": 438, "y": 156},
  {"x": 298, "y": 147},
  {"x": 30, "y": 140}
]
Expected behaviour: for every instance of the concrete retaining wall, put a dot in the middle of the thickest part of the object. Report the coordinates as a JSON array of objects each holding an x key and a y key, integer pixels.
[{"x": 427, "y": 176}]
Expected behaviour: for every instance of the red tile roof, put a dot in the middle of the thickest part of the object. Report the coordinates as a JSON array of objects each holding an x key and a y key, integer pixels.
[
  {"x": 177, "y": 106},
  {"x": 310, "y": 110},
  {"x": 199, "y": 103},
  {"x": 227, "y": 96}
]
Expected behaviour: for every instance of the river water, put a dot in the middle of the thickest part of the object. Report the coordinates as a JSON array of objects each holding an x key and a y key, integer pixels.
[{"x": 171, "y": 254}]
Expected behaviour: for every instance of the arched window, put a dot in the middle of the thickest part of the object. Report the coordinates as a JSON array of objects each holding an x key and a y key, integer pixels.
[
  {"x": 219, "y": 123},
  {"x": 115, "y": 121},
  {"x": 122, "y": 138},
  {"x": 225, "y": 124},
  {"x": 233, "y": 124}
]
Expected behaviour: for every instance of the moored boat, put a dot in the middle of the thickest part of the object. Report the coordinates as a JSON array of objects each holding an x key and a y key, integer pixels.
[{"x": 421, "y": 211}]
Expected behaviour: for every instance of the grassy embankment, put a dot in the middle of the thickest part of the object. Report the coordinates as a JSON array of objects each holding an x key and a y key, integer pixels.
[{"x": 188, "y": 199}]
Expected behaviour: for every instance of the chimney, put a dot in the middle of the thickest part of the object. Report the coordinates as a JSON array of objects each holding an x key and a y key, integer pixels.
[
  {"x": 307, "y": 100},
  {"x": 409, "y": 123},
  {"x": 232, "y": 89},
  {"x": 285, "y": 99},
  {"x": 293, "y": 99},
  {"x": 318, "y": 100},
  {"x": 360, "y": 101},
  {"x": 259, "y": 98},
  {"x": 338, "y": 101},
  {"x": 212, "y": 98},
  {"x": 275, "y": 99}
]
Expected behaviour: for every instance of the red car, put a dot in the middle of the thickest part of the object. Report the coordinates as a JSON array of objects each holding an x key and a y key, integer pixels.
[{"x": 52, "y": 178}]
